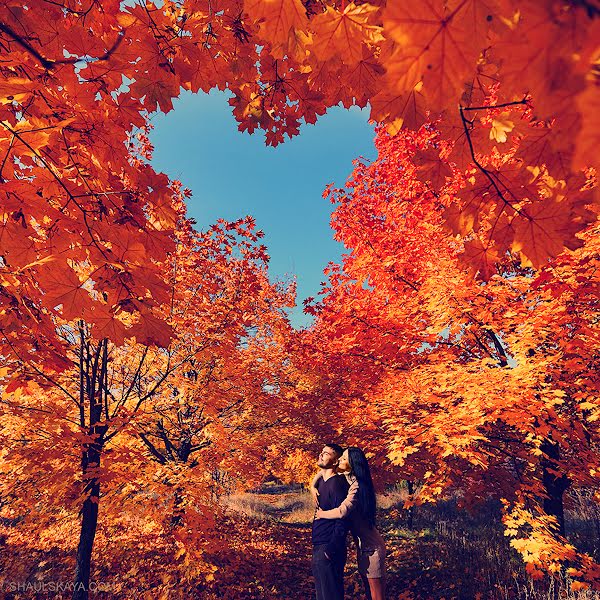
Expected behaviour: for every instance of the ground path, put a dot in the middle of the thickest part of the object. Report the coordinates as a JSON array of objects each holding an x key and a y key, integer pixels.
[{"x": 422, "y": 562}]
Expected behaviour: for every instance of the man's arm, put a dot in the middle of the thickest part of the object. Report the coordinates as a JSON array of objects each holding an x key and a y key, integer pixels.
[{"x": 340, "y": 528}]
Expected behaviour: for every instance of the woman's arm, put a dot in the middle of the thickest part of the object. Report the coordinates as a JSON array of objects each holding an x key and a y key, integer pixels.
[
  {"x": 346, "y": 507},
  {"x": 313, "y": 486}
]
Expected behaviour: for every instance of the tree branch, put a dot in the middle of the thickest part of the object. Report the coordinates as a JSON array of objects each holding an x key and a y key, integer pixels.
[{"x": 49, "y": 63}]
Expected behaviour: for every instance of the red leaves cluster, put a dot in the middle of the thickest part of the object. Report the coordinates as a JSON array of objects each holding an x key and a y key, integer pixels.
[{"x": 442, "y": 362}]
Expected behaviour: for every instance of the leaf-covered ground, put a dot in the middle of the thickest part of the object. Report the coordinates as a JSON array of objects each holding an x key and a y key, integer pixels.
[
  {"x": 265, "y": 554},
  {"x": 442, "y": 554}
]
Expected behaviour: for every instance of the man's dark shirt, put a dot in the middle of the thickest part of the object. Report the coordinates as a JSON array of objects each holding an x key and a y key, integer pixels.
[{"x": 331, "y": 531}]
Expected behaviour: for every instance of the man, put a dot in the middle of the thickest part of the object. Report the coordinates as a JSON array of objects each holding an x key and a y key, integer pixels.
[{"x": 329, "y": 535}]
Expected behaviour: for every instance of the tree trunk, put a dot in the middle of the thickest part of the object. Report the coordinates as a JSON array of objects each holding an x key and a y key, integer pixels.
[
  {"x": 87, "y": 534},
  {"x": 178, "y": 508},
  {"x": 93, "y": 390},
  {"x": 411, "y": 511},
  {"x": 554, "y": 485}
]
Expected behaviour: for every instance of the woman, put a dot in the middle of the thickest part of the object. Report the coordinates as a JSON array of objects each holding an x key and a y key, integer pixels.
[{"x": 359, "y": 506}]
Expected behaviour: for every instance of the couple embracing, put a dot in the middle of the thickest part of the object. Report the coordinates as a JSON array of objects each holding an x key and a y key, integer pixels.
[{"x": 345, "y": 498}]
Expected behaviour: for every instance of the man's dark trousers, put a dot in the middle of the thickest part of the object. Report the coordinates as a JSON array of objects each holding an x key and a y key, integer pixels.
[
  {"x": 328, "y": 573},
  {"x": 329, "y": 537}
]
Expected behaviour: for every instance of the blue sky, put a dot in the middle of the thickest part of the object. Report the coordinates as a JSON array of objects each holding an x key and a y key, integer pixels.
[{"x": 233, "y": 174}]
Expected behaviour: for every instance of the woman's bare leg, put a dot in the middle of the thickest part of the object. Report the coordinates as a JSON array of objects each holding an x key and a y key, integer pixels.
[{"x": 377, "y": 588}]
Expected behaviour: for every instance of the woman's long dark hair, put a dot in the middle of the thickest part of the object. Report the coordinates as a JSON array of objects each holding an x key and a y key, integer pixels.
[{"x": 366, "y": 492}]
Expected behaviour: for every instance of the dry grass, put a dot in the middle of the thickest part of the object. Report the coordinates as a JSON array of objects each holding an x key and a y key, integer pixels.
[
  {"x": 472, "y": 552},
  {"x": 393, "y": 497},
  {"x": 278, "y": 503},
  {"x": 293, "y": 504}
]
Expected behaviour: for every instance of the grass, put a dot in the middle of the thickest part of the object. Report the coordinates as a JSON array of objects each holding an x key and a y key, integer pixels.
[{"x": 278, "y": 503}]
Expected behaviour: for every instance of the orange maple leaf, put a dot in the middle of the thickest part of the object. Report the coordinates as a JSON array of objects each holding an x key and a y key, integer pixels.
[
  {"x": 278, "y": 22},
  {"x": 481, "y": 258},
  {"x": 431, "y": 167},
  {"x": 62, "y": 287},
  {"x": 537, "y": 53},
  {"x": 158, "y": 90},
  {"x": 151, "y": 329},
  {"x": 342, "y": 34},
  {"x": 438, "y": 43},
  {"x": 15, "y": 89},
  {"x": 542, "y": 228},
  {"x": 16, "y": 247},
  {"x": 399, "y": 110},
  {"x": 588, "y": 139}
]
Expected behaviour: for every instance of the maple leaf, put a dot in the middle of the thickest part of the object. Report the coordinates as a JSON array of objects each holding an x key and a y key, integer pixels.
[
  {"x": 481, "y": 205},
  {"x": 164, "y": 215},
  {"x": 106, "y": 325},
  {"x": 537, "y": 53},
  {"x": 431, "y": 167},
  {"x": 399, "y": 110},
  {"x": 278, "y": 21},
  {"x": 366, "y": 77},
  {"x": 437, "y": 43},
  {"x": 500, "y": 127},
  {"x": 151, "y": 329},
  {"x": 538, "y": 147},
  {"x": 199, "y": 69},
  {"x": 127, "y": 112},
  {"x": 327, "y": 79},
  {"x": 17, "y": 249},
  {"x": 30, "y": 136},
  {"x": 343, "y": 34},
  {"x": 481, "y": 258},
  {"x": 15, "y": 89},
  {"x": 541, "y": 228},
  {"x": 588, "y": 139},
  {"x": 156, "y": 91},
  {"x": 130, "y": 248},
  {"x": 63, "y": 287},
  {"x": 297, "y": 45}
]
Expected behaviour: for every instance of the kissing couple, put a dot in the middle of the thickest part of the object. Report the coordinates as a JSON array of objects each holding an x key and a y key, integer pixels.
[{"x": 345, "y": 501}]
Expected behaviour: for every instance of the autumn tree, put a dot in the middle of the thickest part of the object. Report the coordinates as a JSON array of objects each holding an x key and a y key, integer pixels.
[
  {"x": 88, "y": 224},
  {"x": 77, "y": 94},
  {"x": 209, "y": 378},
  {"x": 486, "y": 384},
  {"x": 224, "y": 401}
]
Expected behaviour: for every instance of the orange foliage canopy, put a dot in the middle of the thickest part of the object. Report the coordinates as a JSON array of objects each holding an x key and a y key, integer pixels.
[
  {"x": 86, "y": 220},
  {"x": 151, "y": 433}
]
